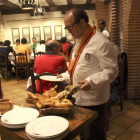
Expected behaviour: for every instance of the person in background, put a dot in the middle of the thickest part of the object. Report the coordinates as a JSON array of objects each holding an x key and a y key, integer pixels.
[
  {"x": 33, "y": 46},
  {"x": 93, "y": 65},
  {"x": 24, "y": 47},
  {"x": 1, "y": 43},
  {"x": 41, "y": 47},
  {"x": 60, "y": 51},
  {"x": 65, "y": 46},
  {"x": 16, "y": 46},
  {"x": 7, "y": 49},
  {"x": 49, "y": 63},
  {"x": 102, "y": 27}
]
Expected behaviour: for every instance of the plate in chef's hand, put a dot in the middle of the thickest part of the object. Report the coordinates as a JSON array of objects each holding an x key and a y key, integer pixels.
[{"x": 51, "y": 78}]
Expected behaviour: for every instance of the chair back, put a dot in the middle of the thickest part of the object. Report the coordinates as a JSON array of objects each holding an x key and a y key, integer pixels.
[
  {"x": 1, "y": 94},
  {"x": 37, "y": 54},
  {"x": 21, "y": 61},
  {"x": 37, "y": 77},
  {"x": 3, "y": 61},
  {"x": 122, "y": 70},
  {"x": 21, "y": 58}
]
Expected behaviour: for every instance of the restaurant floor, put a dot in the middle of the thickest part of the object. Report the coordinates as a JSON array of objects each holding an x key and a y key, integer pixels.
[{"x": 124, "y": 125}]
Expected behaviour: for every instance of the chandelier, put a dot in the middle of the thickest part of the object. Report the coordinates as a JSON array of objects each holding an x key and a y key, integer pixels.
[
  {"x": 39, "y": 11},
  {"x": 27, "y": 4}
]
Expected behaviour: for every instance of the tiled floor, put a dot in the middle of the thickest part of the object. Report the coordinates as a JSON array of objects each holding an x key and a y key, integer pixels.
[{"x": 124, "y": 125}]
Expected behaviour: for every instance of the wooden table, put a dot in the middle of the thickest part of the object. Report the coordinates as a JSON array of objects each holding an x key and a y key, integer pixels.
[{"x": 79, "y": 120}]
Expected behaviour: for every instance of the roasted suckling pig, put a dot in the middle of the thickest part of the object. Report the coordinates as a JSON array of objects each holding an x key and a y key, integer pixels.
[{"x": 53, "y": 99}]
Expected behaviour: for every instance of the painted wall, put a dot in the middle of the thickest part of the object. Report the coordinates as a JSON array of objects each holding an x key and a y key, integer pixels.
[{"x": 28, "y": 23}]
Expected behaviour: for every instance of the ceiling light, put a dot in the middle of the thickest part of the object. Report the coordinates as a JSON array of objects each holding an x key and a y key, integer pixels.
[
  {"x": 39, "y": 11},
  {"x": 27, "y": 4}
]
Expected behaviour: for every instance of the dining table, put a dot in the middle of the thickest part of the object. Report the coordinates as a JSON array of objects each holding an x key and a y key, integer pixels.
[{"x": 79, "y": 119}]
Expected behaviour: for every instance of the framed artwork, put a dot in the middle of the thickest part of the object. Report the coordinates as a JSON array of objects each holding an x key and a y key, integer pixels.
[
  {"x": 15, "y": 34},
  {"x": 68, "y": 36},
  {"x": 47, "y": 32},
  {"x": 58, "y": 32},
  {"x": 26, "y": 33},
  {"x": 36, "y": 33}
]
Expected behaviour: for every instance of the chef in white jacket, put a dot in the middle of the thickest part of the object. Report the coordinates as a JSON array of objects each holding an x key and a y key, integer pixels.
[{"x": 93, "y": 65}]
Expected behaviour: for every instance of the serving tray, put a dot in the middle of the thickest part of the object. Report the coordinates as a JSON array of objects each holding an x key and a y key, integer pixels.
[{"x": 50, "y": 110}]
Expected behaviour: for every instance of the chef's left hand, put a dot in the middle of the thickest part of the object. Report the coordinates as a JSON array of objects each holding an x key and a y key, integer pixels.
[{"x": 85, "y": 85}]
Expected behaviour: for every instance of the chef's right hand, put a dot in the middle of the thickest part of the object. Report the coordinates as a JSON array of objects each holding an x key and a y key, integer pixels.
[{"x": 59, "y": 76}]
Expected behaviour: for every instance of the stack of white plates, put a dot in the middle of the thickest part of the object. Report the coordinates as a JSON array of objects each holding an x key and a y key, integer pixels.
[
  {"x": 18, "y": 118},
  {"x": 48, "y": 127}
]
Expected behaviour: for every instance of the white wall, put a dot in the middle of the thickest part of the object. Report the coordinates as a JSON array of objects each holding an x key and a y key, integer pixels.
[{"x": 28, "y": 23}]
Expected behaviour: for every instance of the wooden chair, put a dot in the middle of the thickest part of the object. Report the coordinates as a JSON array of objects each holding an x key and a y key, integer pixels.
[
  {"x": 21, "y": 61},
  {"x": 4, "y": 65},
  {"x": 37, "y": 54},
  {"x": 1, "y": 94},
  {"x": 34, "y": 78},
  {"x": 122, "y": 71}
]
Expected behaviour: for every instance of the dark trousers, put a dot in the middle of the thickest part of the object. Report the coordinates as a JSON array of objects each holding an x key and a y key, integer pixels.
[{"x": 97, "y": 128}]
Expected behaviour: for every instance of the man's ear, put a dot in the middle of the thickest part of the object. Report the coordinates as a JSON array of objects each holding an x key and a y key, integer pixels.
[
  {"x": 54, "y": 49},
  {"x": 82, "y": 22}
]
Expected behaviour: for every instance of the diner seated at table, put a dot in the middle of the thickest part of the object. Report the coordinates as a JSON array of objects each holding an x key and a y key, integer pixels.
[
  {"x": 61, "y": 51},
  {"x": 65, "y": 46},
  {"x": 1, "y": 43},
  {"x": 34, "y": 45},
  {"x": 41, "y": 47},
  {"x": 24, "y": 47},
  {"x": 7, "y": 49},
  {"x": 17, "y": 44},
  {"x": 49, "y": 63}
]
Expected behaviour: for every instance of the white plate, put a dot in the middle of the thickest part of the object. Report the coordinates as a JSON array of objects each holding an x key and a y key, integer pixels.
[
  {"x": 51, "y": 78},
  {"x": 15, "y": 107},
  {"x": 54, "y": 138},
  {"x": 46, "y": 127},
  {"x": 14, "y": 126},
  {"x": 19, "y": 116}
]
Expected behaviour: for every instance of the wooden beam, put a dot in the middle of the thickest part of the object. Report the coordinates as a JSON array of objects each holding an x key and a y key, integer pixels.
[
  {"x": 69, "y": 7},
  {"x": 88, "y": 1},
  {"x": 107, "y": 1},
  {"x": 9, "y": 4},
  {"x": 69, "y": 2},
  {"x": 50, "y": 3},
  {"x": 15, "y": 11},
  {"x": 3, "y": 7},
  {"x": 50, "y": 9}
]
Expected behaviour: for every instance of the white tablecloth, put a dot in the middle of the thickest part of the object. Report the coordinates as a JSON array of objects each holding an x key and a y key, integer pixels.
[
  {"x": 29, "y": 83},
  {"x": 11, "y": 57}
]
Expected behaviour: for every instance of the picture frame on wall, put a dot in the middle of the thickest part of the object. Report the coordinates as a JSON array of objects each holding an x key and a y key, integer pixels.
[
  {"x": 68, "y": 36},
  {"x": 15, "y": 34},
  {"x": 26, "y": 33},
  {"x": 47, "y": 32},
  {"x": 58, "y": 32},
  {"x": 36, "y": 33}
]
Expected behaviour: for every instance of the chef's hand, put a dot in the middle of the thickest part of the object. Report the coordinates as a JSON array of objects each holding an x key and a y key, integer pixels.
[
  {"x": 85, "y": 85},
  {"x": 59, "y": 76}
]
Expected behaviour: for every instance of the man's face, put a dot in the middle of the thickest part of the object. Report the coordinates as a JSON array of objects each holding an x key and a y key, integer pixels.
[
  {"x": 34, "y": 41},
  {"x": 100, "y": 25},
  {"x": 73, "y": 27}
]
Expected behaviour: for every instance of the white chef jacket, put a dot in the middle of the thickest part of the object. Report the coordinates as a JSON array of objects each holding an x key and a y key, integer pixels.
[
  {"x": 105, "y": 32},
  {"x": 98, "y": 65},
  {"x": 40, "y": 48}
]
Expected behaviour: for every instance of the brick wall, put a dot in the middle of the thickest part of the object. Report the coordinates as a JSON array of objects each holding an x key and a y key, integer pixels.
[
  {"x": 1, "y": 28},
  {"x": 101, "y": 12},
  {"x": 131, "y": 45},
  {"x": 130, "y": 19}
]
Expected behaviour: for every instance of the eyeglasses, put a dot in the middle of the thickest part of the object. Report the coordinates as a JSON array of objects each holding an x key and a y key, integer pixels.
[{"x": 70, "y": 27}]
